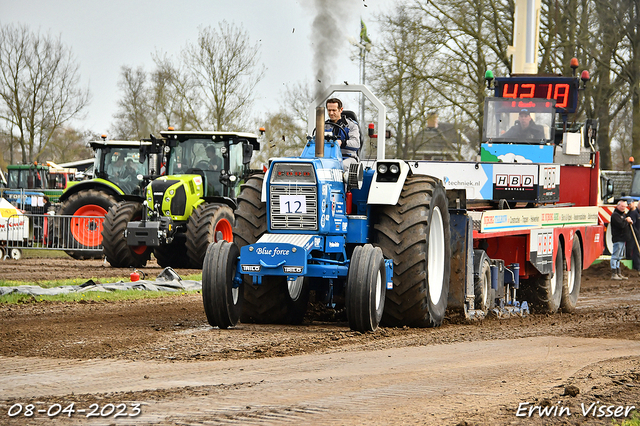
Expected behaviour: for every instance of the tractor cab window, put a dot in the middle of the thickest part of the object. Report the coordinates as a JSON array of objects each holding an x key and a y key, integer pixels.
[
  {"x": 122, "y": 166},
  {"x": 13, "y": 180},
  {"x": 27, "y": 179},
  {"x": 236, "y": 167},
  {"x": 57, "y": 181},
  {"x": 519, "y": 121},
  {"x": 200, "y": 156}
]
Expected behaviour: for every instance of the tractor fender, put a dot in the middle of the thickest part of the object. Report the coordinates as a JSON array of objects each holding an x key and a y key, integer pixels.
[
  {"x": 101, "y": 185},
  {"x": 386, "y": 187},
  {"x": 263, "y": 194}
]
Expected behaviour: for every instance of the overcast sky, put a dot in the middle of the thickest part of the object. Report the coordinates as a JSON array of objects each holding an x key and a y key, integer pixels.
[{"x": 106, "y": 34}]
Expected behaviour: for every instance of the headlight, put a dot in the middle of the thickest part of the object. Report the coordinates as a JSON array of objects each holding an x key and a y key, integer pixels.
[
  {"x": 382, "y": 168},
  {"x": 394, "y": 168}
]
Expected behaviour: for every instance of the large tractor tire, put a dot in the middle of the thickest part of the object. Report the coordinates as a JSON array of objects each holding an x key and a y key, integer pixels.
[
  {"x": 366, "y": 286},
  {"x": 544, "y": 291},
  {"x": 82, "y": 232},
  {"x": 221, "y": 296},
  {"x": 415, "y": 234},
  {"x": 251, "y": 213},
  {"x": 118, "y": 253},
  {"x": 207, "y": 224},
  {"x": 275, "y": 301},
  {"x": 573, "y": 279}
]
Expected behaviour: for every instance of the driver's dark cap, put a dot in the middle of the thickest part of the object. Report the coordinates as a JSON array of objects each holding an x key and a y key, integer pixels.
[{"x": 524, "y": 112}]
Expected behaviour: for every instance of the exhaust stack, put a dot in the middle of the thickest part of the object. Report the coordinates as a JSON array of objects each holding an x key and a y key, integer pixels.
[{"x": 320, "y": 132}]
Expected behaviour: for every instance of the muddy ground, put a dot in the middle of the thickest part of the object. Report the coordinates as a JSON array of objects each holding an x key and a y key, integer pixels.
[{"x": 173, "y": 331}]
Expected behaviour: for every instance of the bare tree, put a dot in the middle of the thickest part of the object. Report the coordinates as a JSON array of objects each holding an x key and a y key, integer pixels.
[
  {"x": 393, "y": 76},
  {"x": 297, "y": 98},
  {"x": 224, "y": 67},
  {"x": 39, "y": 88},
  {"x": 283, "y": 137},
  {"x": 69, "y": 144},
  {"x": 134, "y": 119},
  {"x": 175, "y": 96},
  {"x": 467, "y": 37}
]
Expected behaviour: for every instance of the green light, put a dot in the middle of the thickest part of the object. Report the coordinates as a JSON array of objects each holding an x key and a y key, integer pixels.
[{"x": 488, "y": 75}]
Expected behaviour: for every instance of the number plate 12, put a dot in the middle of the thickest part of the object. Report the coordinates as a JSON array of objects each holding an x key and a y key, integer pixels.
[{"x": 293, "y": 204}]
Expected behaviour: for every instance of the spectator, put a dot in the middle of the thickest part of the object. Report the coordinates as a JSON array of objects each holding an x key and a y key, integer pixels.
[
  {"x": 632, "y": 245},
  {"x": 620, "y": 233}
]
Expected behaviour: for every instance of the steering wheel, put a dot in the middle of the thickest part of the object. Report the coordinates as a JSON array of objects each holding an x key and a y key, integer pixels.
[
  {"x": 338, "y": 130},
  {"x": 202, "y": 165}
]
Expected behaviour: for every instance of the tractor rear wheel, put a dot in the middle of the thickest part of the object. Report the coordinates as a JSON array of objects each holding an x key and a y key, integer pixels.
[
  {"x": 221, "y": 295},
  {"x": 251, "y": 213},
  {"x": 118, "y": 253},
  {"x": 275, "y": 301},
  {"x": 204, "y": 224},
  {"x": 82, "y": 232},
  {"x": 366, "y": 286},
  {"x": 415, "y": 234},
  {"x": 573, "y": 278},
  {"x": 544, "y": 291}
]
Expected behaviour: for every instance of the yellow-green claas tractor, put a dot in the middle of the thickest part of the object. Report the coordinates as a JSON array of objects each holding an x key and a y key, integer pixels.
[{"x": 187, "y": 208}]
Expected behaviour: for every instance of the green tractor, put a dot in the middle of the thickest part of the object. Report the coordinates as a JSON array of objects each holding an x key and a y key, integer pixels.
[
  {"x": 186, "y": 209},
  {"x": 121, "y": 171},
  {"x": 45, "y": 179}
]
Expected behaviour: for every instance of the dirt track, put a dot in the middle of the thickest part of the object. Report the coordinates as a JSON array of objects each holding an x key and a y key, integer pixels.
[{"x": 163, "y": 354}]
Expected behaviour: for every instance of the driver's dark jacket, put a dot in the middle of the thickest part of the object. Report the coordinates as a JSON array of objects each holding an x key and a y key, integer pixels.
[{"x": 532, "y": 131}]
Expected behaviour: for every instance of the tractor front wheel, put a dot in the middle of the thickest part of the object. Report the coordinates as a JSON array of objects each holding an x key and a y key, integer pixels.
[
  {"x": 118, "y": 253},
  {"x": 207, "y": 224},
  {"x": 221, "y": 292},
  {"x": 366, "y": 287},
  {"x": 174, "y": 254}
]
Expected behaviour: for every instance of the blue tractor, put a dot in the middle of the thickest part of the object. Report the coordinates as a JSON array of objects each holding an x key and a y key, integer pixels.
[{"x": 374, "y": 240}]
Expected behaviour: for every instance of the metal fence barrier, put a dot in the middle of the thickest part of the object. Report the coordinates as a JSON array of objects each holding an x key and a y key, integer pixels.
[{"x": 81, "y": 234}]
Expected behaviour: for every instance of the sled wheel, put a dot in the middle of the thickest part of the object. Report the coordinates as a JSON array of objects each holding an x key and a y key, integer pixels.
[
  {"x": 484, "y": 294},
  {"x": 544, "y": 291},
  {"x": 573, "y": 278}
]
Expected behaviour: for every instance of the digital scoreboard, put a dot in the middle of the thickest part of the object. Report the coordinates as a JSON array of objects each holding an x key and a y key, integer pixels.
[{"x": 564, "y": 90}]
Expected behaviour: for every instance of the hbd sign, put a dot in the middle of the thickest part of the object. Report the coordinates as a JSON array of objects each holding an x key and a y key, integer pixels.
[
  {"x": 514, "y": 181},
  {"x": 526, "y": 182}
]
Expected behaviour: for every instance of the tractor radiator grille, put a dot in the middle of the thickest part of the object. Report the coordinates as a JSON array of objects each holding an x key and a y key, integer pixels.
[{"x": 306, "y": 221}]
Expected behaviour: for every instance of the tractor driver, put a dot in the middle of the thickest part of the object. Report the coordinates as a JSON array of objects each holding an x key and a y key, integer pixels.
[
  {"x": 525, "y": 128},
  {"x": 346, "y": 130},
  {"x": 214, "y": 160}
]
